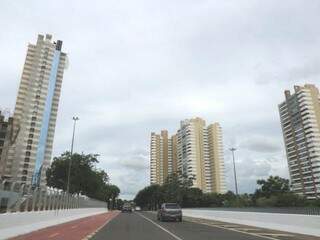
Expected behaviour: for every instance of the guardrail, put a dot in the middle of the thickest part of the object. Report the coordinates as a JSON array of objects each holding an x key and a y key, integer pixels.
[{"x": 17, "y": 197}]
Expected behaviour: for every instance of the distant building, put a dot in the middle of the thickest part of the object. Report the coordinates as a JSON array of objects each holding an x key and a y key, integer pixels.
[
  {"x": 300, "y": 121},
  {"x": 4, "y": 132},
  {"x": 163, "y": 160},
  {"x": 35, "y": 113},
  {"x": 196, "y": 151}
]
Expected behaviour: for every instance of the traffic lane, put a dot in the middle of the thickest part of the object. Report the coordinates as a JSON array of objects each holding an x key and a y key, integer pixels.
[
  {"x": 194, "y": 231},
  {"x": 274, "y": 234},
  {"x": 131, "y": 226},
  {"x": 73, "y": 230}
]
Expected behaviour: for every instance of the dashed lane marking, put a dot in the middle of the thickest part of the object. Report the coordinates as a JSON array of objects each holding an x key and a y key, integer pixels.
[
  {"x": 236, "y": 230},
  {"x": 162, "y": 228},
  {"x": 229, "y": 226},
  {"x": 277, "y": 234},
  {"x": 108, "y": 218},
  {"x": 53, "y": 235},
  {"x": 248, "y": 229}
]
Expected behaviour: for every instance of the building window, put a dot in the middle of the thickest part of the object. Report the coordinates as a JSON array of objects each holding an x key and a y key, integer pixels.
[
  {"x": 30, "y": 135},
  {"x": 24, "y": 172},
  {"x": 29, "y": 142},
  {"x": 33, "y": 124},
  {"x": 29, "y": 147},
  {"x": 28, "y": 154},
  {"x": 24, "y": 178},
  {"x": 25, "y": 165},
  {"x": 33, "y": 119},
  {"x": 31, "y": 130},
  {"x": 27, "y": 160}
]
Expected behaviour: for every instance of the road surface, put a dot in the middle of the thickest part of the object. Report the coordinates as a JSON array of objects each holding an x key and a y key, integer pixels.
[{"x": 144, "y": 226}]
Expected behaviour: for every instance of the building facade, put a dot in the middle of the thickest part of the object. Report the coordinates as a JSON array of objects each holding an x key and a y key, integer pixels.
[
  {"x": 162, "y": 159},
  {"x": 196, "y": 151},
  {"x": 35, "y": 113},
  {"x": 300, "y": 121},
  {"x": 5, "y": 130}
]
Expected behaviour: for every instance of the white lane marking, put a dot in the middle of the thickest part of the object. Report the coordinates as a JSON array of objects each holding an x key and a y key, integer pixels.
[
  {"x": 108, "y": 219},
  {"x": 53, "y": 235},
  {"x": 235, "y": 230},
  {"x": 277, "y": 234},
  {"x": 167, "y": 231}
]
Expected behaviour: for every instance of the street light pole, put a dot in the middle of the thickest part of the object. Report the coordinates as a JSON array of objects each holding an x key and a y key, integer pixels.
[
  {"x": 75, "y": 119},
  {"x": 234, "y": 170}
]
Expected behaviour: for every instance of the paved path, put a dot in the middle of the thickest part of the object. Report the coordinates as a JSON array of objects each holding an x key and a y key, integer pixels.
[
  {"x": 144, "y": 226},
  {"x": 73, "y": 230}
]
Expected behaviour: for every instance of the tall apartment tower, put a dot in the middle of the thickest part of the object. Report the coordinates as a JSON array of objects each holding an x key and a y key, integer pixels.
[
  {"x": 5, "y": 139},
  {"x": 196, "y": 151},
  {"x": 162, "y": 159},
  {"x": 200, "y": 154},
  {"x": 35, "y": 113},
  {"x": 300, "y": 121}
]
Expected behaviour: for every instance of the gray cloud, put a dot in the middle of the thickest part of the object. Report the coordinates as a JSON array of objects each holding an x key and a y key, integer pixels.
[
  {"x": 137, "y": 67},
  {"x": 261, "y": 144}
]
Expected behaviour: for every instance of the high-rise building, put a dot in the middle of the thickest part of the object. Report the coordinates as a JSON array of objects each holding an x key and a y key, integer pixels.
[
  {"x": 35, "y": 113},
  {"x": 5, "y": 129},
  {"x": 196, "y": 151},
  {"x": 300, "y": 121},
  {"x": 162, "y": 160}
]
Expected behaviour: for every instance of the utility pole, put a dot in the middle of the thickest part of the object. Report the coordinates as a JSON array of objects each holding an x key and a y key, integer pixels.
[
  {"x": 75, "y": 119},
  {"x": 234, "y": 170}
]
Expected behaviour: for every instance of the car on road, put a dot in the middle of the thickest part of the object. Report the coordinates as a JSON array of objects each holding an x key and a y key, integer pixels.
[
  {"x": 170, "y": 211},
  {"x": 126, "y": 208},
  {"x": 137, "y": 208}
]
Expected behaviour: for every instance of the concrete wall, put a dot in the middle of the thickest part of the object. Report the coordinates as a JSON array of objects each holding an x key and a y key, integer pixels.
[
  {"x": 296, "y": 223},
  {"x": 14, "y": 224}
]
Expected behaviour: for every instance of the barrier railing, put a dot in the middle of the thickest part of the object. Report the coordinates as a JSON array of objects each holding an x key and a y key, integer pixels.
[{"x": 17, "y": 197}]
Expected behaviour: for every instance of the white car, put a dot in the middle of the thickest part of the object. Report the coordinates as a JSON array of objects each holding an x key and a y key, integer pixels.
[{"x": 137, "y": 208}]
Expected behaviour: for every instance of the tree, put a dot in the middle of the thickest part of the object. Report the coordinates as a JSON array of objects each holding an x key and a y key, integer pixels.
[
  {"x": 150, "y": 197},
  {"x": 272, "y": 186},
  {"x": 111, "y": 193},
  {"x": 84, "y": 177}
]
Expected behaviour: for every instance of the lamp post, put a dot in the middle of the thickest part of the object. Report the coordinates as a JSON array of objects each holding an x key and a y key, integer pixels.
[
  {"x": 75, "y": 119},
  {"x": 234, "y": 170}
]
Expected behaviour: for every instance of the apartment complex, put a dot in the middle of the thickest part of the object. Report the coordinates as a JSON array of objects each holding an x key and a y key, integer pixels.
[
  {"x": 300, "y": 121},
  {"x": 163, "y": 158},
  {"x": 196, "y": 151},
  {"x": 5, "y": 130},
  {"x": 34, "y": 118}
]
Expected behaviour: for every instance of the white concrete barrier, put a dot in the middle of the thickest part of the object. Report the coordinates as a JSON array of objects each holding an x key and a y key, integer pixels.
[
  {"x": 295, "y": 223},
  {"x": 14, "y": 224}
]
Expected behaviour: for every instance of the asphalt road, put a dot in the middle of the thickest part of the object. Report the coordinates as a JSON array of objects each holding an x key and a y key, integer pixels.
[{"x": 144, "y": 226}]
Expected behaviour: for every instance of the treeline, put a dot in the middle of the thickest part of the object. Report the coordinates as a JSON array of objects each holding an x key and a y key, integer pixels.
[
  {"x": 273, "y": 192},
  {"x": 85, "y": 177}
]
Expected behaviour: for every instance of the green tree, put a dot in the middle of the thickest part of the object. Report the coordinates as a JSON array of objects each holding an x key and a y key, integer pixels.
[
  {"x": 149, "y": 197},
  {"x": 272, "y": 186},
  {"x": 111, "y": 193},
  {"x": 85, "y": 178}
]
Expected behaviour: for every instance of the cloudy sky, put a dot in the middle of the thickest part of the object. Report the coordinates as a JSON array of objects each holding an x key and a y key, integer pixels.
[{"x": 144, "y": 65}]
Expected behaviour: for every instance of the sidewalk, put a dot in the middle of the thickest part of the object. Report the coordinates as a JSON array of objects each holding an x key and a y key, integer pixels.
[
  {"x": 14, "y": 224},
  {"x": 73, "y": 230}
]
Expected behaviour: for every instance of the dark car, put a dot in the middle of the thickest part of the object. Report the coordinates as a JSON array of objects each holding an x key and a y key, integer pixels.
[
  {"x": 170, "y": 211},
  {"x": 127, "y": 208}
]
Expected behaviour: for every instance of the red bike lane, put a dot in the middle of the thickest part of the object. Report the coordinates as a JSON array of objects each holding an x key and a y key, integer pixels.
[{"x": 74, "y": 230}]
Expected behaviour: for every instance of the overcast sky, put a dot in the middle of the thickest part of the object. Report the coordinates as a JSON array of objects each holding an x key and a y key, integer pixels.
[{"x": 142, "y": 66}]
